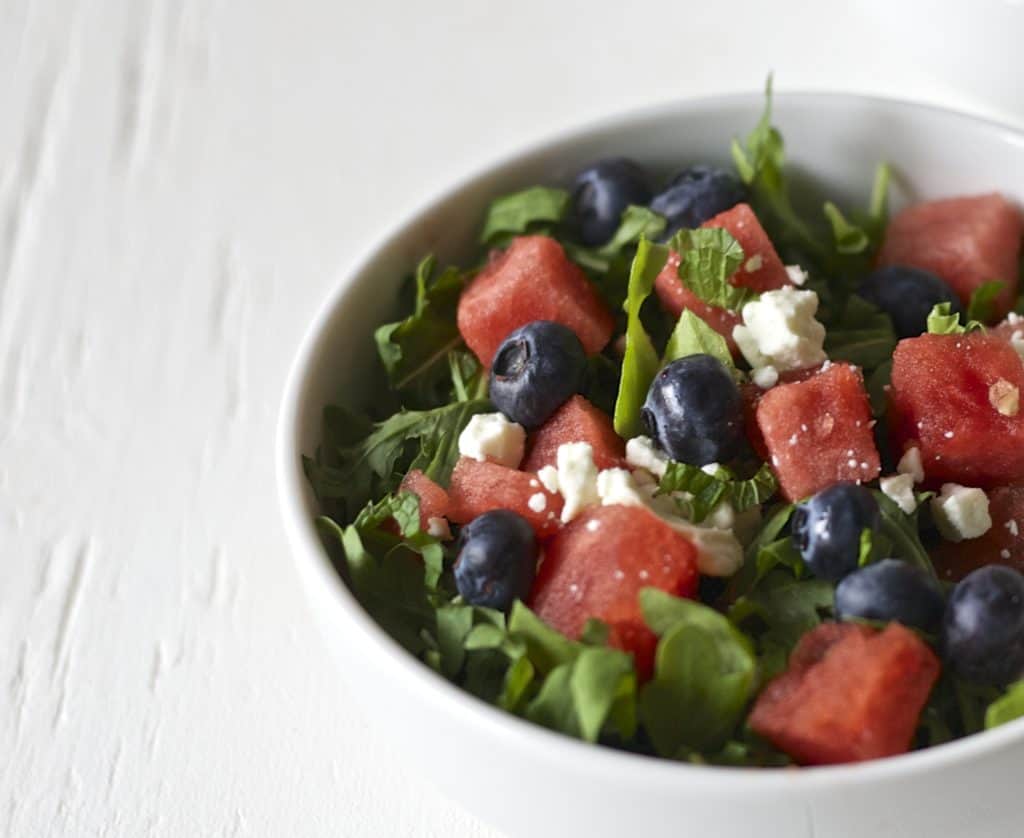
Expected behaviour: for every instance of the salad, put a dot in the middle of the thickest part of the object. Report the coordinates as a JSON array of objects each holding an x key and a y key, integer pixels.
[{"x": 696, "y": 474}]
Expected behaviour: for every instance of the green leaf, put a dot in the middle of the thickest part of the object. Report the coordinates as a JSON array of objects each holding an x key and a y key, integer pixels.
[
  {"x": 982, "y": 304},
  {"x": 709, "y": 256},
  {"x": 553, "y": 707},
  {"x": 877, "y": 386},
  {"x": 522, "y": 211},
  {"x": 692, "y": 336},
  {"x": 878, "y": 207},
  {"x": 863, "y": 335},
  {"x": 901, "y": 533},
  {"x": 636, "y": 223},
  {"x": 600, "y": 678},
  {"x": 1007, "y": 707},
  {"x": 547, "y": 649},
  {"x": 709, "y": 490},
  {"x": 849, "y": 238},
  {"x": 640, "y": 363},
  {"x": 705, "y": 674},
  {"x": 943, "y": 321}
]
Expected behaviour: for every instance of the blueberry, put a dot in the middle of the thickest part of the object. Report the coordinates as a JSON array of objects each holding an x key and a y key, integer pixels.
[
  {"x": 694, "y": 412},
  {"x": 497, "y": 559},
  {"x": 983, "y": 632},
  {"x": 601, "y": 192},
  {"x": 891, "y": 590},
  {"x": 827, "y": 529},
  {"x": 697, "y": 194},
  {"x": 907, "y": 295},
  {"x": 535, "y": 370}
]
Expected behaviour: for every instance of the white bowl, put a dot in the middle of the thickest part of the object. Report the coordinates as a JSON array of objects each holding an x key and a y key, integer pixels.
[{"x": 523, "y": 778}]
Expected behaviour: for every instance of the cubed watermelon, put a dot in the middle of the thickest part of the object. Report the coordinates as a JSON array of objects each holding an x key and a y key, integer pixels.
[
  {"x": 478, "y": 487},
  {"x": 532, "y": 280},
  {"x": 596, "y": 567},
  {"x": 851, "y": 693},
  {"x": 762, "y": 270},
  {"x": 751, "y": 395},
  {"x": 1003, "y": 544},
  {"x": 966, "y": 241},
  {"x": 434, "y": 501},
  {"x": 818, "y": 431},
  {"x": 575, "y": 421},
  {"x": 957, "y": 397}
]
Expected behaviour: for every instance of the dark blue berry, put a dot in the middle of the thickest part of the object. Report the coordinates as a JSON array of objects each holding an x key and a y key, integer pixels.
[
  {"x": 697, "y": 194},
  {"x": 535, "y": 370},
  {"x": 983, "y": 632},
  {"x": 907, "y": 295},
  {"x": 601, "y": 192},
  {"x": 891, "y": 590},
  {"x": 827, "y": 528},
  {"x": 694, "y": 412},
  {"x": 497, "y": 559}
]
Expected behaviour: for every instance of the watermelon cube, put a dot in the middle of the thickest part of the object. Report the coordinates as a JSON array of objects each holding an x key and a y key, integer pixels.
[
  {"x": 850, "y": 693},
  {"x": 818, "y": 431},
  {"x": 957, "y": 398},
  {"x": 478, "y": 487},
  {"x": 762, "y": 270},
  {"x": 751, "y": 395},
  {"x": 966, "y": 241},
  {"x": 532, "y": 280},
  {"x": 575, "y": 421},
  {"x": 1002, "y": 544},
  {"x": 596, "y": 567},
  {"x": 434, "y": 500}
]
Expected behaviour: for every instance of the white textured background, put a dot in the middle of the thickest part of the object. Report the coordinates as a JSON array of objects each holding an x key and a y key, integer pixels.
[{"x": 180, "y": 183}]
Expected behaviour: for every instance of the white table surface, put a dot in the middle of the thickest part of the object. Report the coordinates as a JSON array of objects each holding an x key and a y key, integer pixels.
[{"x": 181, "y": 181}]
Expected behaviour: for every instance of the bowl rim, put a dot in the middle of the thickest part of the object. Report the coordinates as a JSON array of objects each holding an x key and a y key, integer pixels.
[{"x": 322, "y": 581}]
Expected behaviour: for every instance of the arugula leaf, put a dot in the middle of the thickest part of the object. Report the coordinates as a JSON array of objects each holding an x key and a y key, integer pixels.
[
  {"x": 863, "y": 335},
  {"x": 523, "y": 211},
  {"x": 709, "y": 256},
  {"x": 901, "y": 532},
  {"x": 705, "y": 674},
  {"x": 849, "y": 238},
  {"x": 692, "y": 336},
  {"x": 415, "y": 350},
  {"x": 640, "y": 363},
  {"x": 709, "y": 490},
  {"x": 878, "y": 207},
  {"x": 982, "y": 303},
  {"x": 1006, "y": 708},
  {"x": 370, "y": 467},
  {"x": 636, "y": 223},
  {"x": 877, "y": 385}
]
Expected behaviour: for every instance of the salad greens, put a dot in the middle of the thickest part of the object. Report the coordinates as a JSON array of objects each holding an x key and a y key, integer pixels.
[{"x": 712, "y": 657}]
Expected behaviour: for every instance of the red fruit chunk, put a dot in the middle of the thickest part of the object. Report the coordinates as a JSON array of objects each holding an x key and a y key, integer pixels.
[
  {"x": 596, "y": 567},
  {"x": 532, "y": 280},
  {"x": 956, "y": 398},
  {"x": 851, "y": 693},
  {"x": 751, "y": 395},
  {"x": 767, "y": 272},
  {"x": 1003, "y": 544},
  {"x": 478, "y": 487},
  {"x": 966, "y": 241},
  {"x": 818, "y": 431},
  {"x": 575, "y": 421},
  {"x": 434, "y": 501}
]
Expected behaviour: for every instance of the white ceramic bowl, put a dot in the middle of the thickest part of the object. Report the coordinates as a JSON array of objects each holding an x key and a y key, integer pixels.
[{"x": 520, "y": 777}]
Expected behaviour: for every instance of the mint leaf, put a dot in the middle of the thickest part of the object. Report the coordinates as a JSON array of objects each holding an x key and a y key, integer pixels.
[
  {"x": 709, "y": 490},
  {"x": 705, "y": 674},
  {"x": 692, "y": 336},
  {"x": 863, "y": 335},
  {"x": 1007, "y": 707},
  {"x": 901, "y": 533},
  {"x": 942, "y": 321},
  {"x": 982, "y": 304},
  {"x": 709, "y": 256},
  {"x": 849, "y": 238},
  {"x": 522, "y": 212},
  {"x": 640, "y": 363}
]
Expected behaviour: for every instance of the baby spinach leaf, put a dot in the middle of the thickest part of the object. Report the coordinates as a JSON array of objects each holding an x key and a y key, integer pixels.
[
  {"x": 982, "y": 303},
  {"x": 849, "y": 238},
  {"x": 546, "y": 648},
  {"x": 692, "y": 336},
  {"x": 640, "y": 363},
  {"x": 522, "y": 212},
  {"x": 709, "y": 256},
  {"x": 600, "y": 678},
  {"x": 1006, "y": 708}
]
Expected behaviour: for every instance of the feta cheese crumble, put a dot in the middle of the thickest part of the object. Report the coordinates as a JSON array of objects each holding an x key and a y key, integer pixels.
[
  {"x": 961, "y": 512},
  {"x": 796, "y": 274},
  {"x": 548, "y": 477},
  {"x": 491, "y": 436},
  {"x": 577, "y": 478},
  {"x": 765, "y": 377},
  {"x": 538, "y": 502},
  {"x": 780, "y": 330},
  {"x": 910, "y": 463},
  {"x": 641, "y": 452},
  {"x": 438, "y": 528},
  {"x": 616, "y": 487},
  {"x": 1004, "y": 397},
  {"x": 899, "y": 489}
]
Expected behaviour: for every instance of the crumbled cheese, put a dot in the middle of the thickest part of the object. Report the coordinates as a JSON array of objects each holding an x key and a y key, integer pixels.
[
  {"x": 644, "y": 478},
  {"x": 765, "y": 377},
  {"x": 438, "y": 527},
  {"x": 754, "y": 263},
  {"x": 779, "y": 329},
  {"x": 1011, "y": 525},
  {"x": 538, "y": 502},
  {"x": 796, "y": 274},
  {"x": 548, "y": 476},
  {"x": 711, "y": 468},
  {"x": 961, "y": 512},
  {"x": 722, "y": 517},
  {"x": 900, "y": 489},
  {"x": 718, "y": 551},
  {"x": 910, "y": 463},
  {"x": 616, "y": 487},
  {"x": 491, "y": 436},
  {"x": 1017, "y": 341},
  {"x": 1004, "y": 397},
  {"x": 577, "y": 478},
  {"x": 641, "y": 452}
]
